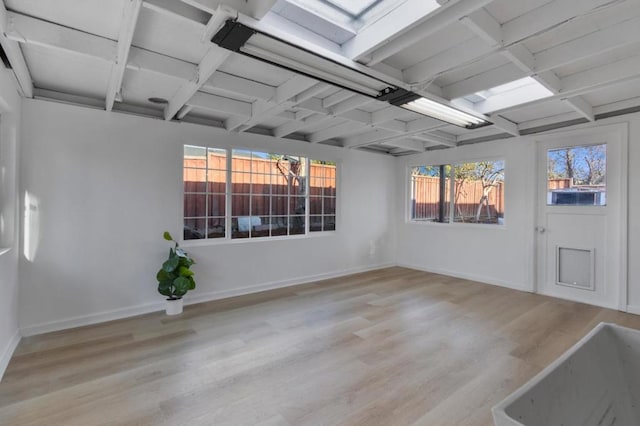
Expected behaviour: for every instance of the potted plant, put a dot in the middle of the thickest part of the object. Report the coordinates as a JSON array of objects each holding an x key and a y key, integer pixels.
[{"x": 175, "y": 278}]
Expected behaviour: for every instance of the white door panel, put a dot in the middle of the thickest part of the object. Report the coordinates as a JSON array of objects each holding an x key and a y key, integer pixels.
[{"x": 580, "y": 253}]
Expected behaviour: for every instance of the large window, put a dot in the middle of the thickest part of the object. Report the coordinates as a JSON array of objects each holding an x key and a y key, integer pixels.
[
  {"x": 242, "y": 194},
  {"x": 471, "y": 192},
  {"x": 577, "y": 175}
]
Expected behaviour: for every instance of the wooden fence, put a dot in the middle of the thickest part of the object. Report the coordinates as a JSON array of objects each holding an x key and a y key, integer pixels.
[
  {"x": 260, "y": 188},
  {"x": 560, "y": 183},
  {"x": 425, "y": 199}
]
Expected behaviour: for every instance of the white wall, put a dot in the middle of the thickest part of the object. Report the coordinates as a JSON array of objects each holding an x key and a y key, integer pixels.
[
  {"x": 493, "y": 254},
  {"x": 9, "y": 144},
  {"x": 105, "y": 186},
  {"x": 503, "y": 255}
]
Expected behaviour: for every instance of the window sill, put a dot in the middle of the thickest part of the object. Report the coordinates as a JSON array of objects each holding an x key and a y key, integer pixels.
[
  {"x": 224, "y": 241},
  {"x": 458, "y": 225}
]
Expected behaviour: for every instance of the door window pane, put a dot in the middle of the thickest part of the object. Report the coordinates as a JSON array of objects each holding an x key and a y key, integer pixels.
[{"x": 576, "y": 176}]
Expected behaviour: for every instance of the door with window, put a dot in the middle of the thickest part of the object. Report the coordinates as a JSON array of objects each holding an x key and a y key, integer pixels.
[{"x": 581, "y": 218}]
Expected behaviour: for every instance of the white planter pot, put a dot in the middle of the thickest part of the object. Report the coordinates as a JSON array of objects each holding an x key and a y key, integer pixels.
[{"x": 174, "y": 306}]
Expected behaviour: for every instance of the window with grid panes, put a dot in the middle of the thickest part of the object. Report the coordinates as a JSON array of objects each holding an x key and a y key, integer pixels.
[
  {"x": 242, "y": 194},
  {"x": 205, "y": 183},
  {"x": 322, "y": 196},
  {"x": 268, "y": 194}
]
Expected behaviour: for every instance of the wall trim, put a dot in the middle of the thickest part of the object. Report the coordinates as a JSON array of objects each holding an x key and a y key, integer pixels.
[
  {"x": 146, "y": 308},
  {"x": 8, "y": 352},
  {"x": 633, "y": 309},
  {"x": 471, "y": 277}
]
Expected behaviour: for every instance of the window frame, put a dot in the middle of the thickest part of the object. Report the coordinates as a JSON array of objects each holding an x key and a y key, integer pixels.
[
  {"x": 451, "y": 216},
  {"x": 228, "y": 239}
]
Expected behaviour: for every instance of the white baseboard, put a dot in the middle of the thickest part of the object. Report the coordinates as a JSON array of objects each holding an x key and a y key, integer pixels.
[
  {"x": 633, "y": 309},
  {"x": 8, "y": 352},
  {"x": 470, "y": 277},
  {"x": 191, "y": 299}
]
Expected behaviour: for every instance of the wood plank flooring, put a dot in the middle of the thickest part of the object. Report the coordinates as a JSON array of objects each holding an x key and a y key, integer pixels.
[{"x": 388, "y": 347}]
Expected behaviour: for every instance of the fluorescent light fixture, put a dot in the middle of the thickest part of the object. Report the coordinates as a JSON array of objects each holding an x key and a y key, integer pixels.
[
  {"x": 433, "y": 109},
  {"x": 245, "y": 40}
]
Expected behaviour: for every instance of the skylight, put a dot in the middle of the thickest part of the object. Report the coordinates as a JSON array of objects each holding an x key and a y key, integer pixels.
[
  {"x": 506, "y": 95},
  {"x": 352, "y": 14},
  {"x": 354, "y": 8}
]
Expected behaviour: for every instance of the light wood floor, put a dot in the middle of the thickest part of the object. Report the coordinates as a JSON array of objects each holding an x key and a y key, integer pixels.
[{"x": 389, "y": 347}]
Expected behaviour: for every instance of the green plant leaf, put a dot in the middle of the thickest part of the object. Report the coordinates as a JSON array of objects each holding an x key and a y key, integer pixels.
[
  {"x": 181, "y": 285},
  {"x": 180, "y": 252},
  {"x": 171, "y": 264},
  {"x": 185, "y": 271},
  {"x": 164, "y": 288},
  {"x": 186, "y": 262},
  {"x": 162, "y": 275},
  {"x": 167, "y": 236},
  {"x": 193, "y": 283}
]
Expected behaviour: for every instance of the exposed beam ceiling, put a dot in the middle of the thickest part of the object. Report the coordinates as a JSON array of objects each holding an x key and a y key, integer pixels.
[{"x": 587, "y": 53}]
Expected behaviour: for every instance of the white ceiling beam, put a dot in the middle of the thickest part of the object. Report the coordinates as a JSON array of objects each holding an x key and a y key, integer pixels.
[
  {"x": 166, "y": 66},
  {"x": 546, "y": 121},
  {"x": 15, "y": 56},
  {"x": 221, "y": 82},
  {"x": 581, "y": 106},
  {"x": 286, "y": 97},
  {"x": 25, "y": 29},
  {"x": 583, "y": 87},
  {"x": 184, "y": 111},
  {"x": 220, "y": 104},
  {"x": 599, "y": 41},
  {"x": 257, "y": 9},
  {"x": 504, "y": 124},
  {"x": 525, "y": 60},
  {"x": 483, "y": 81},
  {"x": 615, "y": 72},
  {"x": 498, "y": 37},
  {"x": 485, "y": 26},
  {"x": 337, "y": 97},
  {"x": 350, "y": 104},
  {"x": 386, "y": 114},
  {"x": 41, "y": 33},
  {"x": 546, "y": 17},
  {"x": 617, "y": 106},
  {"x": 130, "y": 12},
  {"x": 214, "y": 57},
  {"x": 296, "y": 86},
  {"x": 479, "y": 133},
  {"x": 446, "y": 60},
  {"x": 601, "y": 109},
  {"x": 371, "y": 138},
  {"x": 436, "y": 139},
  {"x": 380, "y": 135},
  {"x": 311, "y": 92},
  {"x": 340, "y": 130},
  {"x": 212, "y": 60},
  {"x": 423, "y": 124},
  {"x": 294, "y": 126},
  {"x": 521, "y": 57},
  {"x": 442, "y": 18},
  {"x": 410, "y": 13},
  {"x": 410, "y": 144}
]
